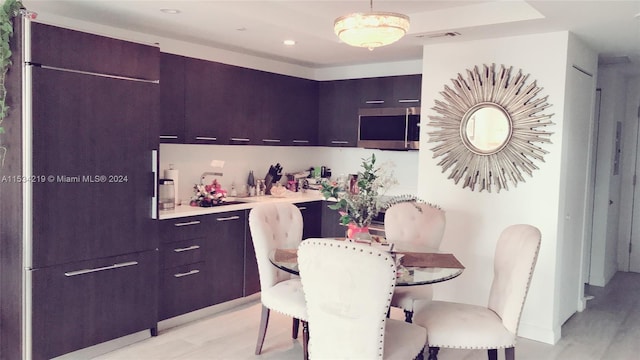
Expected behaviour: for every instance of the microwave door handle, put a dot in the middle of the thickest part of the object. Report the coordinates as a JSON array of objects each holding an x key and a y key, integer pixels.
[{"x": 406, "y": 129}]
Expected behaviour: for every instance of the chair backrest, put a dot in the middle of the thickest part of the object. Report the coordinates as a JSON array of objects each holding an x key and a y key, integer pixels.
[
  {"x": 348, "y": 288},
  {"x": 414, "y": 225},
  {"x": 515, "y": 258},
  {"x": 274, "y": 225}
]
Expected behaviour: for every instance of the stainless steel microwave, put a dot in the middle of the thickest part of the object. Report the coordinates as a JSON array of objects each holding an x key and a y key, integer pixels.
[{"x": 389, "y": 128}]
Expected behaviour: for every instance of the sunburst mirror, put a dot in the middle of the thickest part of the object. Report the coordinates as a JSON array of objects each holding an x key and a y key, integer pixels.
[{"x": 487, "y": 126}]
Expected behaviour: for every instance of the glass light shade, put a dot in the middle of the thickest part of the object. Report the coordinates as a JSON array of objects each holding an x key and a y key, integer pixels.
[{"x": 372, "y": 29}]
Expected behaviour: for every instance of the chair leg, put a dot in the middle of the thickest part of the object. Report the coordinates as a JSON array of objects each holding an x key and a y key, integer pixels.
[
  {"x": 492, "y": 354},
  {"x": 420, "y": 355},
  {"x": 510, "y": 353},
  {"x": 294, "y": 328},
  {"x": 408, "y": 316},
  {"x": 433, "y": 353},
  {"x": 262, "y": 332},
  {"x": 305, "y": 340}
]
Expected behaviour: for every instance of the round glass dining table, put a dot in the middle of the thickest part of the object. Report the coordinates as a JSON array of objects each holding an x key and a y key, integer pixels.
[{"x": 424, "y": 273}]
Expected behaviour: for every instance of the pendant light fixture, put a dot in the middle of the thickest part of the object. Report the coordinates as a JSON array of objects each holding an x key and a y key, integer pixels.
[{"x": 372, "y": 29}]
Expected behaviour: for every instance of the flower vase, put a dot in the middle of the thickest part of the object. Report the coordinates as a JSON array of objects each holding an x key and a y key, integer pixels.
[{"x": 358, "y": 233}]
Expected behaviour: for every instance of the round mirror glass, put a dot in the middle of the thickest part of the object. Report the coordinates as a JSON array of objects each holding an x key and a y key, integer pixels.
[{"x": 486, "y": 128}]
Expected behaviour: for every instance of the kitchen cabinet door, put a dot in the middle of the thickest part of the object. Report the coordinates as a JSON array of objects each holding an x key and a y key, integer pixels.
[
  {"x": 92, "y": 144},
  {"x": 338, "y": 113},
  {"x": 375, "y": 92},
  {"x": 70, "y": 49},
  {"x": 185, "y": 288},
  {"x": 331, "y": 226},
  {"x": 172, "y": 90},
  {"x": 311, "y": 218},
  {"x": 226, "y": 257},
  {"x": 407, "y": 90},
  {"x": 80, "y": 304}
]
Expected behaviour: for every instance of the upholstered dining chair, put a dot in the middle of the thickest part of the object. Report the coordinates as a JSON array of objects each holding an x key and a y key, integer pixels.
[
  {"x": 464, "y": 326},
  {"x": 278, "y": 225},
  {"x": 348, "y": 287},
  {"x": 413, "y": 226}
]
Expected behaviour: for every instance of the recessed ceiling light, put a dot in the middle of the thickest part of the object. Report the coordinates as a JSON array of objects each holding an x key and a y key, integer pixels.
[
  {"x": 170, "y": 11},
  {"x": 289, "y": 42}
]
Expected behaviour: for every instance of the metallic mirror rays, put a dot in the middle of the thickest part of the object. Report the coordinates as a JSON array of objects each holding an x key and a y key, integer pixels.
[{"x": 492, "y": 168}]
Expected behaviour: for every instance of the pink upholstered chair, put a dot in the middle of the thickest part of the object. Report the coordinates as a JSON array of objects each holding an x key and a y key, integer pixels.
[
  {"x": 348, "y": 287},
  {"x": 413, "y": 226},
  {"x": 463, "y": 326},
  {"x": 278, "y": 225}
]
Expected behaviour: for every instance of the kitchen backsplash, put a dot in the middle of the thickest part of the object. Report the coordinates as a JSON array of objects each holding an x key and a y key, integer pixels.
[{"x": 193, "y": 160}]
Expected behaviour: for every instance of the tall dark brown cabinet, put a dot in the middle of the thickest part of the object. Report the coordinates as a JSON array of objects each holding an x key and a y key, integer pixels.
[{"x": 93, "y": 254}]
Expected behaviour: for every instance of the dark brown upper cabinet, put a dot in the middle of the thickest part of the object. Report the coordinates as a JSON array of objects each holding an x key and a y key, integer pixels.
[
  {"x": 69, "y": 49},
  {"x": 338, "y": 113},
  {"x": 172, "y": 97}
]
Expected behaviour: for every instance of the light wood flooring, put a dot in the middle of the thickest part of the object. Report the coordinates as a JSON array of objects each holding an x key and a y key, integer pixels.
[{"x": 608, "y": 329}]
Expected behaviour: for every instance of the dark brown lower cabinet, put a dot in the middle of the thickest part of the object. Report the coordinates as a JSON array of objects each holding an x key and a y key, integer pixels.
[
  {"x": 227, "y": 255},
  {"x": 77, "y": 305},
  {"x": 312, "y": 219},
  {"x": 331, "y": 226},
  {"x": 184, "y": 289}
]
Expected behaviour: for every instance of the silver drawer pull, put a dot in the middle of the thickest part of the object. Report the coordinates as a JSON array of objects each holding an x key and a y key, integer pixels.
[
  {"x": 300, "y": 141},
  {"x": 409, "y": 100},
  {"x": 110, "y": 267},
  {"x": 206, "y": 138},
  {"x": 195, "y": 222},
  {"x": 192, "y": 247},
  {"x": 374, "y": 102},
  {"x": 240, "y": 139},
  {"x": 271, "y": 140},
  {"x": 228, "y": 218},
  {"x": 302, "y": 208},
  {"x": 168, "y": 136},
  {"x": 192, "y": 272},
  {"x": 339, "y": 142}
]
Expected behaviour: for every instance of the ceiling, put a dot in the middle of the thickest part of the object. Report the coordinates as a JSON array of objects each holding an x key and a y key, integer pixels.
[{"x": 612, "y": 28}]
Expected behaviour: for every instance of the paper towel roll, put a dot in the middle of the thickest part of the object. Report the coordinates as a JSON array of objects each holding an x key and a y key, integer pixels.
[{"x": 173, "y": 175}]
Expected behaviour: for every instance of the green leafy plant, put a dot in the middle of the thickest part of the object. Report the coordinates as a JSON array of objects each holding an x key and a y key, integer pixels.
[
  {"x": 8, "y": 11},
  {"x": 359, "y": 204}
]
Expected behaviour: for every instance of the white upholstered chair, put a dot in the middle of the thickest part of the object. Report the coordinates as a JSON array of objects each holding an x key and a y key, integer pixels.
[
  {"x": 278, "y": 225},
  {"x": 348, "y": 288},
  {"x": 413, "y": 226},
  {"x": 464, "y": 326}
]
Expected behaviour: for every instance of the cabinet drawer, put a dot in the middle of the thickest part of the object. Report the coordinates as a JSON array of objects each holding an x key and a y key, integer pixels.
[
  {"x": 183, "y": 229},
  {"x": 182, "y": 252},
  {"x": 81, "y": 304},
  {"x": 185, "y": 289}
]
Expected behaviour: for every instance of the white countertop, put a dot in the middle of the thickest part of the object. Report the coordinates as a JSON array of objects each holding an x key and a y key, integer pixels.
[{"x": 248, "y": 203}]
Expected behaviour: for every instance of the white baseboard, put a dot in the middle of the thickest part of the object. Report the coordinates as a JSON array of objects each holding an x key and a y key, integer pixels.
[{"x": 537, "y": 333}]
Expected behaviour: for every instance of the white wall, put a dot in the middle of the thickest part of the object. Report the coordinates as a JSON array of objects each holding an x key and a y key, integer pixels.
[
  {"x": 605, "y": 230},
  {"x": 629, "y": 88},
  {"x": 475, "y": 220}
]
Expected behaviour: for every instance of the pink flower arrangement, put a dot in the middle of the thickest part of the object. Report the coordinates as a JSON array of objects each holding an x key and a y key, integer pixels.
[{"x": 208, "y": 195}]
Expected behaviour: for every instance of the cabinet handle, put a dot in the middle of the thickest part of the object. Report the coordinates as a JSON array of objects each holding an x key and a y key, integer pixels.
[
  {"x": 192, "y": 272},
  {"x": 240, "y": 139},
  {"x": 302, "y": 208},
  {"x": 271, "y": 140},
  {"x": 195, "y": 222},
  {"x": 110, "y": 267},
  {"x": 168, "y": 136},
  {"x": 409, "y": 100},
  {"x": 192, "y": 247},
  {"x": 374, "y": 102},
  {"x": 206, "y": 138},
  {"x": 300, "y": 141},
  {"x": 339, "y": 142},
  {"x": 228, "y": 218}
]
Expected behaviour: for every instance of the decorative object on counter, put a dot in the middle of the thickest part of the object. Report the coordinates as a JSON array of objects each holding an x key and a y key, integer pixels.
[
  {"x": 359, "y": 204},
  {"x": 278, "y": 190},
  {"x": 251, "y": 184},
  {"x": 273, "y": 176},
  {"x": 488, "y": 124},
  {"x": 208, "y": 195}
]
